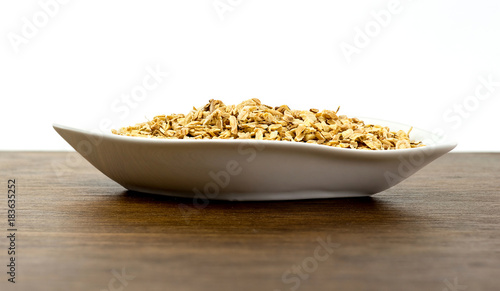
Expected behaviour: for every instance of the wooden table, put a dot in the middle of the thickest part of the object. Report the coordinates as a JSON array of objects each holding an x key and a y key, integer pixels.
[{"x": 78, "y": 230}]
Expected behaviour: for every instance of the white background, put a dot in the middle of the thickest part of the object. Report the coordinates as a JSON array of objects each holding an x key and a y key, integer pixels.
[{"x": 420, "y": 68}]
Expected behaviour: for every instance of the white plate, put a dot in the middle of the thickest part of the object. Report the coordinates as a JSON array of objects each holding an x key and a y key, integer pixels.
[{"x": 249, "y": 169}]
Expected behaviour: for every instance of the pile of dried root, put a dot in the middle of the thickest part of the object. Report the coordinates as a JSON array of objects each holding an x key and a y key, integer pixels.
[{"x": 253, "y": 120}]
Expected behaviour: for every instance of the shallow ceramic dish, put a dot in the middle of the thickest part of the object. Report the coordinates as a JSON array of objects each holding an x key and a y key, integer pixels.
[{"x": 249, "y": 169}]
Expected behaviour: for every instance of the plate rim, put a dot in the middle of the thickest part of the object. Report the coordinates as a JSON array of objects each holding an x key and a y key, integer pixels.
[{"x": 440, "y": 145}]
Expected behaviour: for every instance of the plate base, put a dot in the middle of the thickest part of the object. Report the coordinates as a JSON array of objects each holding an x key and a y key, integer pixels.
[{"x": 257, "y": 196}]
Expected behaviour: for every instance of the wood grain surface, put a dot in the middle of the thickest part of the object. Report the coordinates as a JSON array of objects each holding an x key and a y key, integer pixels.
[{"x": 78, "y": 230}]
